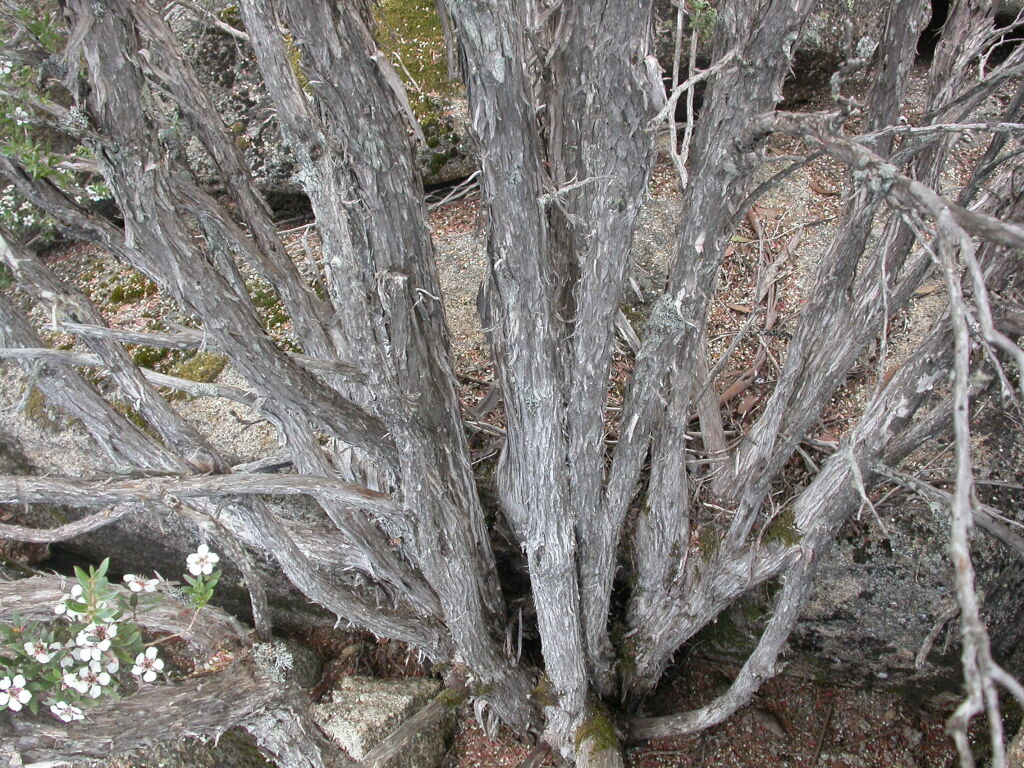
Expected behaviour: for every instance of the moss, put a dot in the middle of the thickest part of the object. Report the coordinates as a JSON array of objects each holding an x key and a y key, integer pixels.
[
  {"x": 295, "y": 59},
  {"x": 707, "y": 542},
  {"x": 451, "y": 698},
  {"x": 202, "y": 367},
  {"x": 38, "y": 412},
  {"x": 147, "y": 357},
  {"x": 409, "y": 31},
  {"x": 6, "y": 277},
  {"x": 482, "y": 689},
  {"x": 268, "y": 304},
  {"x": 543, "y": 694},
  {"x": 230, "y": 14},
  {"x": 783, "y": 529},
  {"x": 131, "y": 289},
  {"x": 625, "y": 650},
  {"x": 637, "y": 316},
  {"x": 723, "y": 635},
  {"x": 133, "y": 416},
  {"x": 599, "y": 730}
]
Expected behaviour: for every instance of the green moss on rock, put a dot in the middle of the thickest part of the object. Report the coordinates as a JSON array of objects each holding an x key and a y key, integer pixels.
[
  {"x": 599, "y": 730},
  {"x": 202, "y": 366},
  {"x": 37, "y": 410},
  {"x": 783, "y": 529}
]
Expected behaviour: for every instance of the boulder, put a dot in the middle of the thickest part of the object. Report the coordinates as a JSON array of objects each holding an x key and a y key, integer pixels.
[
  {"x": 360, "y": 712},
  {"x": 227, "y": 67},
  {"x": 818, "y": 51},
  {"x": 880, "y": 593}
]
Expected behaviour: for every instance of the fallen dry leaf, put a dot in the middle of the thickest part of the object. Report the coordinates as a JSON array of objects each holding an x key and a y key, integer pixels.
[{"x": 818, "y": 188}]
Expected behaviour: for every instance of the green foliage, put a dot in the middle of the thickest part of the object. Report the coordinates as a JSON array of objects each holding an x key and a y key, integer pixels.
[
  {"x": 703, "y": 17},
  {"x": 23, "y": 134},
  {"x": 200, "y": 588},
  {"x": 74, "y": 663},
  {"x": 230, "y": 14},
  {"x": 82, "y": 657}
]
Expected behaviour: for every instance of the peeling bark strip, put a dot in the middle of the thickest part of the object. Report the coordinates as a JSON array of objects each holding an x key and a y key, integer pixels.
[{"x": 564, "y": 98}]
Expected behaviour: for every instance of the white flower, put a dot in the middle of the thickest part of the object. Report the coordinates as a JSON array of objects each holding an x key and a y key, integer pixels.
[
  {"x": 87, "y": 654},
  {"x": 147, "y": 665},
  {"x": 20, "y": 116},
  {"x": 66, "y": 712},
  {"x": 97, "y": 636},
  {"x": 72, "y": 680},
  {"x": 61, "y": 608},
  {"x": 138, "y": 583},
  {"x": 38, "y": 651},
  {"x": 5, "y": 67},
  {"x": 113, "y": 666},
  {"x": 93, "y": 679},
  {"x": 202, "y": 561},
  {"x": 13, "y": 694}
]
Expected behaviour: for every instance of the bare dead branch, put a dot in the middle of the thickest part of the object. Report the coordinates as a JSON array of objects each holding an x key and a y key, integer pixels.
[
  {"x": 169, "y": 490},
  {"x": 65, "y": 532}
]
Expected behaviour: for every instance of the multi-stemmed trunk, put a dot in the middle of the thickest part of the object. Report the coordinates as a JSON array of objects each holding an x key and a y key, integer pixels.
[{"x": 562, "y": 101}]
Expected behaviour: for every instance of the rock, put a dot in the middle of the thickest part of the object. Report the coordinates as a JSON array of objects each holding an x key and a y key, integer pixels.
[
  {"x": 1015, "y": 752},
  {"x": 234, "y": 749},
  {"x": 289, "y": 660},
  {"x": 360, "y": 712},
  {"x": 227, "y": 67},
  {"x": 817, "y": 53},
  {"x": 877, "y": 596}
]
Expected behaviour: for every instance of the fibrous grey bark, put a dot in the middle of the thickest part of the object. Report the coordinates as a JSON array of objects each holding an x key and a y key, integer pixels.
[{"x": 565, "y": 102}]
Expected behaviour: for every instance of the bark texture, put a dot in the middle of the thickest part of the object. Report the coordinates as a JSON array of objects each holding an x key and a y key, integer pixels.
[{"x": 633, "y": 538}]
